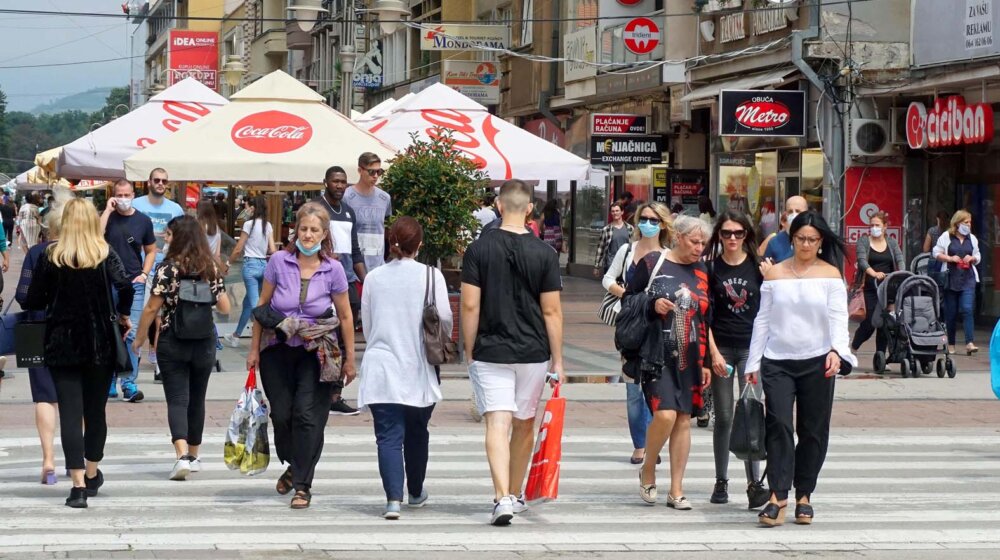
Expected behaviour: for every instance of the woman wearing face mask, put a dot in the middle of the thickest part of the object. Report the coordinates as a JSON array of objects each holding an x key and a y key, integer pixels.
[
  {"x": 300, "y": 283},
  {"x": 958, "y": 249},
  {"x": 653, "y": 222},
  {"x": 878, "y": 256}
]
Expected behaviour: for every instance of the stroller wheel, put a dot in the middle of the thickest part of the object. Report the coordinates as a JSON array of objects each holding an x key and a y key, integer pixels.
[
  {"x": 904, "y": 369},
  {"x": 878, "y": 362},
  {"x": 926, "y": 366},
  {"x": 940, "y": 368},
  {"x": 950, "y": 366}
]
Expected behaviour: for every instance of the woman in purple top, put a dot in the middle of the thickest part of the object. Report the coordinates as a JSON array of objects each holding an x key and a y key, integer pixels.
[{"x": 301, "y": 282}]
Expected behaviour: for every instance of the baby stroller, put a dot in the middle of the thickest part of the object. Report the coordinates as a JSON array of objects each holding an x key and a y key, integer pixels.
[{"x": 908, "y": 315}]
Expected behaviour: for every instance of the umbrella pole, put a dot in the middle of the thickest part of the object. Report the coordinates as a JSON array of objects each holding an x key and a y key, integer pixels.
[{"x": 275, "y": 212}]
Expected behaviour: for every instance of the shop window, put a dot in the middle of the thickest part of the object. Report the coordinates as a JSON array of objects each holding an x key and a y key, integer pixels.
[{"x": 591, "y": 212}]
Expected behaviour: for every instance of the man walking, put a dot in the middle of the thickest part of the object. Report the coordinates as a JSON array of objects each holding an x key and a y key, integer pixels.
[
  {"x": 512, "y": 323},
  {"x": 344, "y": 231},
  {"x": 779, "y": 247},
  {"x": 130, "y": 234},
  {"x": 373, "y": 207}
]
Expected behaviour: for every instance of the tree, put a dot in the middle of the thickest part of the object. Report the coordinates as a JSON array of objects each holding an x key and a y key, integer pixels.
[
  {"x": 435, "y": 184},
  {"x": 112, "y": 109},
  {"x": 6, "y": 166}
]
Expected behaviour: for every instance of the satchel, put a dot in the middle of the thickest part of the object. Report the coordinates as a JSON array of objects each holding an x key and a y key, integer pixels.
[
  {"x": 438, "y": 345},
  {"x": 632, "y": 323},
  {"x": 611, "y": 305},
  {"x": 8, "y": 322},
  {"x": 122, "y": 362},
  {"x": 747, "y": 438}
]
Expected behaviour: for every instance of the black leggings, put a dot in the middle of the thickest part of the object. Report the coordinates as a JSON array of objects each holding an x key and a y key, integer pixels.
[
  {"x": 186, "y": 366},
  {"x": 83, "y": 394},
  {"x": 865, "y": 329}
]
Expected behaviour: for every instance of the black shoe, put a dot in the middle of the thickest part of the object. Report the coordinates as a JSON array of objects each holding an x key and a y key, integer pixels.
[
  {"x": 77, "y": 498},
  {"x": 703, "y": 421},
  {"x": 803, "y": 514},
  {"x": 341, "y": 408},
  {"x": 720, "y": 495},
  {"x": 94, "y": 484},
  {"x": 157, "y": 376},
  {"x": 757, "y": 495}
]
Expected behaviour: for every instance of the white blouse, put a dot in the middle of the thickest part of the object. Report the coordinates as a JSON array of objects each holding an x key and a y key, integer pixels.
[{"x": 800, "y": 319}]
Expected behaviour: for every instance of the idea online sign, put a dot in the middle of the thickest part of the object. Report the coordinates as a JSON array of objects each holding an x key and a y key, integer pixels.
[
  {"x": 950, "y": 122},
  {"x": 194, "y": 54}
]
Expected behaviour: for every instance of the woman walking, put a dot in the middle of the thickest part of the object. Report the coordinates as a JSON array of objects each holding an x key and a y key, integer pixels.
[
  {"x": 678, "y": 292},
  {"x": 552, "y": 226},
  {"x": 72, "y": 282},
  {"x": 255, "y": 244},
  {"x": 300, "y": 283},
  {"x": 397, "y": 384},
  {"x": 734, "y": 279},
  {"x": 30, "y": 221},
  {"x": 185, "y": 357},
  {"x": 653, "y": 222},
  {"x": 210, "y": 223},
  {"x": 613, "y": 237},
  {"x": 799, "y": 343},
  {"x": 958, "y": 249},
  {"x": 878, "y": 256}
]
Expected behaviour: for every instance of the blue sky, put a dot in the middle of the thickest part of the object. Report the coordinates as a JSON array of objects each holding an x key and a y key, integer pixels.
[{"x": 39, "y": 40}]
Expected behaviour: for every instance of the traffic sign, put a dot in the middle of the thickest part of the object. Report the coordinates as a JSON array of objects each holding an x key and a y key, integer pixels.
[{"x": 641, "y": 35}]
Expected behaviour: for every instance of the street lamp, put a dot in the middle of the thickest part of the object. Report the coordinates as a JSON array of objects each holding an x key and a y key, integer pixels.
[
  {"x": 233, "y": 70},
  {"x": 391, "y": 14},
  {"x": 348, "y": 56},
  {"x": 307, "y": 12}
]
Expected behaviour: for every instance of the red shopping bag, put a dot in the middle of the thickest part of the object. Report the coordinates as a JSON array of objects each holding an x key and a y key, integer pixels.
[{"x": 543, "y": 479}]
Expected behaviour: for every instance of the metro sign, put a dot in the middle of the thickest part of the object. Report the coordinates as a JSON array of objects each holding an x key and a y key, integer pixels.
[
  {"x": 763, "y": 113},
  {"x": 949, "y": 123},
  {"x": 641, "y": 35}
]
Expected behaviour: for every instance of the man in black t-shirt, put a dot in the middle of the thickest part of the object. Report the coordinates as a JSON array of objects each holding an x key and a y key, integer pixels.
[{"x": 512, "y": 323}]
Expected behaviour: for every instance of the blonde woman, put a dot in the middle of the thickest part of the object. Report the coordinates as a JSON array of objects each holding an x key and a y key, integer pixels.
[
  {"x": 958, "y": 248},
  {"x": 72, "y": 282}
]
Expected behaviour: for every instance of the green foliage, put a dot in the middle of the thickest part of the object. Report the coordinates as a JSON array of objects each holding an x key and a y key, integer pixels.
[
  {"x": 113, "y": 106},
  {"x": 6, "y": 166},
  {"x": 439, "y": 187}
]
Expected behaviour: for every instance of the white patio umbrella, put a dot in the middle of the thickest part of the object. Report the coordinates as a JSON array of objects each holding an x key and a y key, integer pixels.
[
  {"x": 101, "y": 153},
  {"x": 276, "y": 130}
]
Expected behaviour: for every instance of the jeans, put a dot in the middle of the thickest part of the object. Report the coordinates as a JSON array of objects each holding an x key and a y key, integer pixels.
[
  {"x": 403, "y": 440},
  {"x": 639, "y": 416},
  {"x": 955, "y": 302},
  {"x": 253, "y": 281},
  {"x": 186, "y": 366},
  {"x": 135, "y": 314},
  {"x": 725, "y": 406},
  {"x": 83, "y": 427}
]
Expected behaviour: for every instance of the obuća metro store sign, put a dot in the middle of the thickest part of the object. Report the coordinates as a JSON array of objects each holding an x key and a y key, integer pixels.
[
  {"x": 762, "y": 113},
  {"x": 950, "y": 122}
]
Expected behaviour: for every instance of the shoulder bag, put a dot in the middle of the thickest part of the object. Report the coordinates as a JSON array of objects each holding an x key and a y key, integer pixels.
[
  {"x": 8, "y": 322},
  {"x": 193, "y": 318},
  {"x": 611, "y": 305},
  {"x": 632, "y": 323},
  {"x": 438, "y": 345},
  {"x": 121, "y": 361}
]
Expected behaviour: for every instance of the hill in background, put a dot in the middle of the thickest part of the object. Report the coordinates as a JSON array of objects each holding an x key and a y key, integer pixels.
[{"x": 88, "y": 102}]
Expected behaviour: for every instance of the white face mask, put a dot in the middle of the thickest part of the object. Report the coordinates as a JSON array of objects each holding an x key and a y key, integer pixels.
[
  {"x": 791, "y": 217},
  {"x": 964, "y": 229},
  {"x": 876, "y": 231},
  {"x": 123, "y": 204}
]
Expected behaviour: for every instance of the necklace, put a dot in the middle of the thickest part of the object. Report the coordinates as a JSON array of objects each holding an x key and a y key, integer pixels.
[
  {"x": 337, "y": 212},
  {"x": 791, "y": 266}
]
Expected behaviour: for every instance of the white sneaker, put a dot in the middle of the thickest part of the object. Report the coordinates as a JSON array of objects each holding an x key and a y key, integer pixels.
[
  {"x": 195, "y": 464},
  {"x": 520, "y": 506},
  {"x": 392, "y": 508},
  {"x": 503, "y": 512},
  {"x": 232, "y": 340},
  {"x": 181, "y": 469}
]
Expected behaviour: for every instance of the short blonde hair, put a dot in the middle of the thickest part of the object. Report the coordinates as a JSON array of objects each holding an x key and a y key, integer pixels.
[
  {"x": 957, "y": 218},
  {"x": 80, "y": 243},
  {"x": 666, "y": 221}
]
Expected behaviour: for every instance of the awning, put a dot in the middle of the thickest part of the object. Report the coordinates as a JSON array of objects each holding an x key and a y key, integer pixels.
[
  {"x": 947, "y": 80},
  {"x": 772, "y": 78}
]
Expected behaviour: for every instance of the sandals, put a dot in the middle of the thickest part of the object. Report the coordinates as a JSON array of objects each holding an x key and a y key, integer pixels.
[
  {"x": 284, "y": 484},
  {"x": 971, "y": 349},
  {"x": 301, "y": 499},
  {"x": 49, "y": 477},
  {"x": 647, "y": 491},
  {"x": 803, "y": 514},
  {"x": 772, "y": 515}
]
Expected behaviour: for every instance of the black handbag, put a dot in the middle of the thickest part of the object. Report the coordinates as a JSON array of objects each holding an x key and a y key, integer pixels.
[
  {"x": 8, "y": 323},
  {"x": 29, "y": 343},
  {"x": 632, "y": 323},
  {"x": 747, "y": 438},
  {"x": 122, "y": 362}
]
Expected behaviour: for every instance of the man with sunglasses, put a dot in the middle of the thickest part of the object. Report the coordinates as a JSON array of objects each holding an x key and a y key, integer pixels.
[{"x": 372, "y": 207}]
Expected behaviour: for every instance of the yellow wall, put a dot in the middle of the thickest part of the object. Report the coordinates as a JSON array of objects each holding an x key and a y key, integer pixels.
[{"x": 205, "y": 8}]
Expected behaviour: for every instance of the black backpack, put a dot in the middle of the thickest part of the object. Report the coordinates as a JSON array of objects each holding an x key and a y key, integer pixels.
[{"x": 193, "y": 318}]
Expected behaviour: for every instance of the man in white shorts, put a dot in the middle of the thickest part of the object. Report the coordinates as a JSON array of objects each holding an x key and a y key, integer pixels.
[{"x": 512, "y": 323}]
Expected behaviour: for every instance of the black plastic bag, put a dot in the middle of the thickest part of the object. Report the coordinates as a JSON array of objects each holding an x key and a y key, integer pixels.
[{"x": 747, "y": 438}]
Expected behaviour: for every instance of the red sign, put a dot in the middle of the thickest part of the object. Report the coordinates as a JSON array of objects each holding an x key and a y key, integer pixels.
[
  {"x": 629, "y": 2},
  {"x": 950, "y": 123},
  {"x": 763, "y": 115},
  {"x": 872, "y": 189},
  {"x": 686, "y": 189},
  {"x": 641, "y": 35},
  {"x": 544, "y": 128},
  {"x": 194, "y": 54},
  {"x": 619, "y": 124},
  {"x": 271, "y": 132},
  {"x": 177, "y": 113}
]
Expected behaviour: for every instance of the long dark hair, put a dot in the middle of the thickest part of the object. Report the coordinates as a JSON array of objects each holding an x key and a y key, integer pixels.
[
  {"x": 259, "y": 205},
  {"x": 207, "y": 217},
  {"x": 715, "y": 247},
  {"x": 189, "y": 250},
  {"x": 832, "y": 248}
]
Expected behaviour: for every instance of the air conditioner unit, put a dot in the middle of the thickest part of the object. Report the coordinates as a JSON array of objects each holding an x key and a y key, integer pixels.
[
  {"x": 897, "y": 126},
  {"x": 870, "y": 138}
]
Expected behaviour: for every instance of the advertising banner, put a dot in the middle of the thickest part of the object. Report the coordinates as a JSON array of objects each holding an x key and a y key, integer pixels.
[
  {"x": 622, "y": 150},
  {"x": 474, "y": 79},
  {"x": 762, "y": 113},
  {"x": 450, "y": 37},
  {"x": 194, "y": 54},
  {"x": 580, "y": 46},
  {"x": 870, "y": 190},
  {"x": 686, "y": 187},
  {"x": 368, "y": 70},
  {"x": 610, "y": 124},
  {"x": 956, "y": 30}
]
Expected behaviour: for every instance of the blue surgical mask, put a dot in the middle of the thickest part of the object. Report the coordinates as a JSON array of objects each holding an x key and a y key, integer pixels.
[
  {"x": 876, "y": 231},
  {"x": 308, "y": 252},
  {"x": 649, "y": 230},
  {"x": 964, "y": 229}
]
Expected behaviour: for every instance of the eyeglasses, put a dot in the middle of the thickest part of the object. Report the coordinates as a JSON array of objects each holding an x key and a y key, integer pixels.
[
  {"x": 375, "y": 172},
  {"x": 653, "y": 221},
  {"x": 158, "y": 181},
  {"x": 733, "y": 233},
  {"x": 808, "y": 240}
]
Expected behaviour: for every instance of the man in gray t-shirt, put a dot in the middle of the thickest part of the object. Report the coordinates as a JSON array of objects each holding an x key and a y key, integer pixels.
[{"x": 372, "y": 207}]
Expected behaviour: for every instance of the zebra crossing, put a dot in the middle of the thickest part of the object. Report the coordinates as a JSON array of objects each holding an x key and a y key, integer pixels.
[{"x": 880, "y": 489}]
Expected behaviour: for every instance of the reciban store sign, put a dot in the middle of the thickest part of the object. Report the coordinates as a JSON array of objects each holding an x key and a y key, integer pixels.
[
  {"x": 951, "y": 30},
  {"x": 448, "y": 37},
  {"x": 626, "y": 150}
]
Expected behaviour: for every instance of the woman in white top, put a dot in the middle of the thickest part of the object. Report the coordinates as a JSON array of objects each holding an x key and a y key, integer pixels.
[
  {"x": 799, "y": 343},
  {"x": 398, "y": 385},
  {"x": 30, "y": 220},
  {"x": 210, "y": 223},
  {"x": 256, "y": 243}
]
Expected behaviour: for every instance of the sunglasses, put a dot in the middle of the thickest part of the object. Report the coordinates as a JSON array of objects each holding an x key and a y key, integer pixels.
[
  {"x": 653, "y": 221},
  {"x": 158, "y": 181},
  {"x": 733, "y": 233},
  {"x": 375, "y": 172}
]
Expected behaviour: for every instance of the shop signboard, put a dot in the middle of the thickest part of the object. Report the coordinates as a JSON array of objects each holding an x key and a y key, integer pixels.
[
  {"x": 774, "y": 113},
  {"x": 629, "y": 2},
  {"x": 626, "y": 150},
  {"x": 661, "y": 188},
  {"x": 194, "y": 54},
  {"x": 641, "y": 35},
  {"x": 368, "y": 71},
  {"x": 615, "y": 124},
  {"x": 959, "y": 30},
  {"x": 950, "y": 122},
  {"x": 477, "y": 80},
  {"x": 451, "y": 37},
  {"x": 580, "y": 48},
  {"x": 686, "y": 187},
  {"x": 870, "y": 190}
]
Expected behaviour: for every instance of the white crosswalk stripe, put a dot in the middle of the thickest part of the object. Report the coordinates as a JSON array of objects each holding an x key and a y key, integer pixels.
[{"x": 879, "y": 489}]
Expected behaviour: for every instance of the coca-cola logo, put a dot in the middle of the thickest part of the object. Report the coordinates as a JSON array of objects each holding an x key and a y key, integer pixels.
[
  {"x": 272, "y": 132},
  {"x": 763, "y": 114}
]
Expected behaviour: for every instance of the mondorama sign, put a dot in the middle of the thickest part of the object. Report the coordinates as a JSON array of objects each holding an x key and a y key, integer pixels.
[
  {"x": 762, "y": 113},
  {"x": 953, "y": 30},
  {"x": 625, "y": 150},
  {"x": 448, "y": 37}
]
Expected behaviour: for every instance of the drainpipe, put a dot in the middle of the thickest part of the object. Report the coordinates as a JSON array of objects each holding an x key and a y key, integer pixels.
[{"x": 545, "y": 97}]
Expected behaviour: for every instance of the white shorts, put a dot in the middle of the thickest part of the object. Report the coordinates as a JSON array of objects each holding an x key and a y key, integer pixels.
[{"x": 508, "y": 387}]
